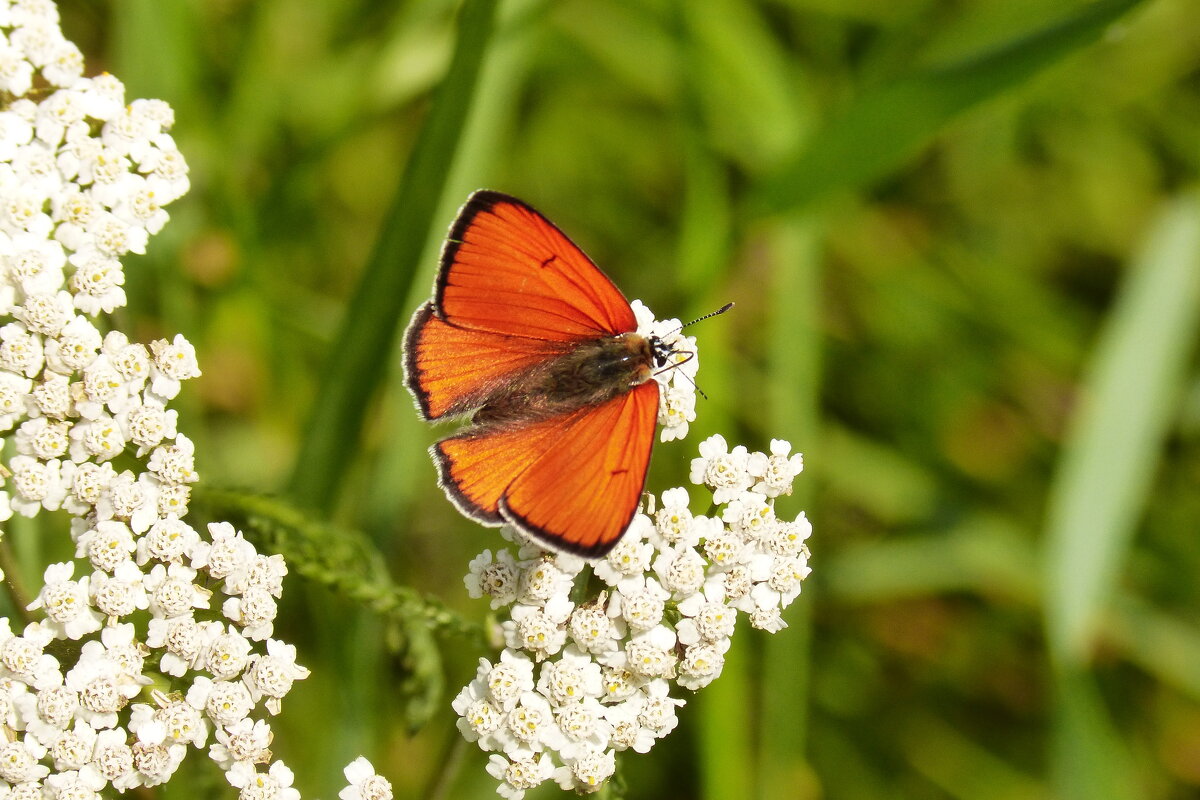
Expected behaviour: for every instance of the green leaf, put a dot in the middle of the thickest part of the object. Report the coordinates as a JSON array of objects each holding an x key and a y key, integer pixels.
[
  {"x": 888, "y": 125},
  {"x": 368, "y": 332}
]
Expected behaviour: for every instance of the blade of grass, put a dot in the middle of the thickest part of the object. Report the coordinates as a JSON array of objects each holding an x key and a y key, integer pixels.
[
  {"x": 888, "y": 125},
  {"x": 1102, "y": 483},
  {"x": 750, "y": 103},
  {"x": 1163, "y": 646},
  {"x": 963, "y": 768},
  {"x": 156, "y": 53},
  {"x": 725, "y": 762},
  {"x": 705, "y": 221},
  {"x": 369, "y": 326},
  {"x": 155, "y": 49},
  {"x": 1127, "y": 402},
  {"x": 1089, "y": 761},
  {"x": 984, "y": 554},
  {"x": 404, "y": 469},
  {"x": 887, "y": 483}
]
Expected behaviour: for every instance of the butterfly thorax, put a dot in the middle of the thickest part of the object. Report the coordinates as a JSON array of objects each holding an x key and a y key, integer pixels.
[{"x": 586, "y": 374}]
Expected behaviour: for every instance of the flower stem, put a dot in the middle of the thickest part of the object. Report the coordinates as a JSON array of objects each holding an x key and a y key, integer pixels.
[
  {"x": 13, "y": 581},
  {"x": 452, "y": 756}
]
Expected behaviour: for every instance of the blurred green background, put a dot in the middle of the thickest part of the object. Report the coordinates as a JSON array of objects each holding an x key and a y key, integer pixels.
[{"x": 963, "y": 237}]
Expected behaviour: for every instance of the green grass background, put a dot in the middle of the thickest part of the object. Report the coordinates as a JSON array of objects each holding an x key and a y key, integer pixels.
[{"x": 964, "y": 243}]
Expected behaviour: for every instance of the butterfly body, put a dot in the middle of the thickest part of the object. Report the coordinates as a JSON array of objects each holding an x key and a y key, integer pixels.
[
  {"x": 590, "y": 373},
  {"x": 531, "y": 340}
]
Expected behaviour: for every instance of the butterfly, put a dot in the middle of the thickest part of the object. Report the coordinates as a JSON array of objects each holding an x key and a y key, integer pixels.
[{"x": 526, "y": 335}]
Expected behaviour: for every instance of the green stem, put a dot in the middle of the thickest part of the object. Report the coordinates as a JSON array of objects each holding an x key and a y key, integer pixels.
[{"x": 452, "y": 756}]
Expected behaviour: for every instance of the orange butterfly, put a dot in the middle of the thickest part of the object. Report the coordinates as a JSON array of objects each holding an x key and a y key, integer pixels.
[{"x": 525, "y": 333}]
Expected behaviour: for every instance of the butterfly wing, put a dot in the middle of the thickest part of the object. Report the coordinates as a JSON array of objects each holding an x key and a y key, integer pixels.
[
  {"x": 476, "y": 467},
  {"x": 582, "y": 494},
  {"x": 507, "y": 269},
  {"x": 571, "y": 482}
]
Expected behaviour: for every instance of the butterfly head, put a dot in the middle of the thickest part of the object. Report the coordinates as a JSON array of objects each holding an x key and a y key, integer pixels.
[
  {"x": 661, "y": 350},
  {"x": 670, "y": 350}
]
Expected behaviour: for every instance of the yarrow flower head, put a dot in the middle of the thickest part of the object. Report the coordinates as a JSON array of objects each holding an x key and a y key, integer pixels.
[
  {"x": 86, "y": 177},
  {"x": 584, "y": 678}
]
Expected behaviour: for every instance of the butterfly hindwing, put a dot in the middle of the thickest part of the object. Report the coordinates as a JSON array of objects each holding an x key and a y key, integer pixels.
[
  {"x": 476, "y": 467},
  {"x": 582, "y": 494},
  {"x": 571, "y": 482}
]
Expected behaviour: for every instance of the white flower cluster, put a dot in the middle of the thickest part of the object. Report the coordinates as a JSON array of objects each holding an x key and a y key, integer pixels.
[
  {"x": 158, "y": 664},
  {"x": 579, "y": 682},
  {"x": 677, "y": 379}
]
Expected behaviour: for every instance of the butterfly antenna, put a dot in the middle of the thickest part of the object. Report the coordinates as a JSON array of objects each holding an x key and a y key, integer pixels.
[
  {"x": 695, "y": 385},
  {"x": 690, "y": 356},
  {"x": 709, "y": 315},
  {"x": 677, "y": 365}
]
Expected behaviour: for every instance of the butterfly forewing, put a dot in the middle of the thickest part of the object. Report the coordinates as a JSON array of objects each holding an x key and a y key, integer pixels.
[
  {"x": 507, "y": 269},
  {"x": 452, "y": 370}
]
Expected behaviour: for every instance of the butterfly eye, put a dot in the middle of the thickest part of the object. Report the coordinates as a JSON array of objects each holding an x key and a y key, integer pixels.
[{"x": 662, "y": 352}]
